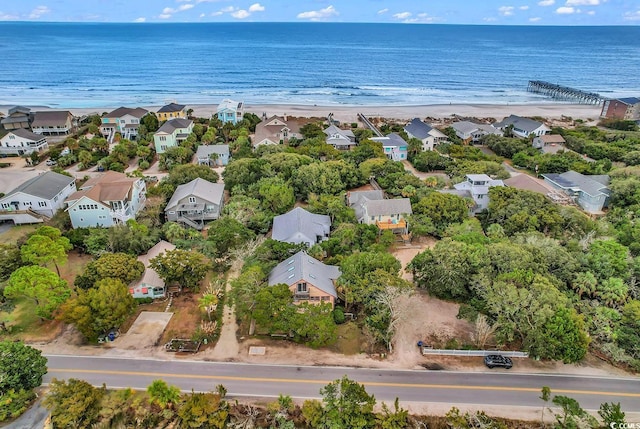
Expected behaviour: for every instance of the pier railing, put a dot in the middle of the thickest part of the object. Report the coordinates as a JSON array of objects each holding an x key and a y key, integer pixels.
[{"x": 564, "y": 93}]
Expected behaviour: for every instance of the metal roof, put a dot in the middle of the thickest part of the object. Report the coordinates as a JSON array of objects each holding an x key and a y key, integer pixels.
[
  {"x": 300, "y": 226},
  {"x": 303, "y": 267},
  {"x": 46, "y": 185},
  {"x": 525, "y": 124},
  {"x": 418, "y": 129},
  {"x": 212, "y": 192}
]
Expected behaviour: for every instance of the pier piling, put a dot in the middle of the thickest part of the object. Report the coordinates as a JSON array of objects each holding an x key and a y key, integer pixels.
[{"x": 564, "y": 93}]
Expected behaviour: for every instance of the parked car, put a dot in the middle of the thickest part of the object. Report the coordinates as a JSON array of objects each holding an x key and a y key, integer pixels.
[
  {"x": 492, "y": 361},
  {"x": 51, "y": 162}
]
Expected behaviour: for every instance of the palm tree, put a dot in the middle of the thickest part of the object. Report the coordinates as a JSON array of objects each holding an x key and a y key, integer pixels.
[{"x": 208, "y": 302}]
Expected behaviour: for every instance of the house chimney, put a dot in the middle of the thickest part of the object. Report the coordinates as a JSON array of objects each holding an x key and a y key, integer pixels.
[{"x": 285, "y": 117}]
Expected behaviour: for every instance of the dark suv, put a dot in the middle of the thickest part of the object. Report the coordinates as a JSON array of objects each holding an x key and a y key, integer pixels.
[{"x": 493, "y": 361}]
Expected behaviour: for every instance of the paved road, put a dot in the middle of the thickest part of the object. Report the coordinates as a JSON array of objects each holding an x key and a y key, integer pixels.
[{"x": 496, "y": 387}]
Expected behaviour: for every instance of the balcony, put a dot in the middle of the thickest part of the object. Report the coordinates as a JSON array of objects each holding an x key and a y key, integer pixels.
[{"x": 392, "y": 225}]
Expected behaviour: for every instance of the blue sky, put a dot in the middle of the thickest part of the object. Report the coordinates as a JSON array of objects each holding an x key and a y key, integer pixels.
[{"x": 500, "y": 12}]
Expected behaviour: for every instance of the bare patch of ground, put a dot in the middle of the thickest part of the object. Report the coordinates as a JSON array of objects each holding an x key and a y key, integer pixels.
[{"x": 145, "y": 332}]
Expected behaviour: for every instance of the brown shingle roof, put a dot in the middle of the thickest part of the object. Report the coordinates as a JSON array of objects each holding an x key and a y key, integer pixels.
[
  {"x": 138, "y": 112},
  {"x": 50, "y": 118},
  {"x": 111, "y": 186}
]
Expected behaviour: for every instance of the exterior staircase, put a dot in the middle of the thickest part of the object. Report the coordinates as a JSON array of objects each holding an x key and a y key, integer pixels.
[{"x": 189, "y": 222}]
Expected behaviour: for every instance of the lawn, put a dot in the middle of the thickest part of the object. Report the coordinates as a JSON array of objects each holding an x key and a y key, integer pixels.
[
  {"x": 23, "y": 324},
  {"x": 15, "y": 233},
  {"x": 349, "y": 339}
]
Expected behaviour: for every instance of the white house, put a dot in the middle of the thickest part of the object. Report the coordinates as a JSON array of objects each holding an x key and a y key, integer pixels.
[
  {"x": 478, "y": 186},
  {"x": 213, "y": 155},
  {"x": 123, "y": 120},
  {"x": 109, "y": 199},
  {"x": 44, "y": 195},
  {"x": 429, "y": 136},
  {"x": 472, "y": 132},
  {"x": 22, "y": 142},
  {"x": 522, "y": 127},
  {"x": 339, "y": 138}
]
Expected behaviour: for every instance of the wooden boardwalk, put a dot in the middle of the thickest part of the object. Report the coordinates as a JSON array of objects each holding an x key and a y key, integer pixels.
[{"x": 564, "y": 93}]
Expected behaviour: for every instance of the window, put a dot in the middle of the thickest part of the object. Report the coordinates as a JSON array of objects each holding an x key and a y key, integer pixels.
[
  {"x": 480, "y": 196},
  {"x": 42, "y": 204},
  {"x": 192, "y": 200},
  {"x": 302, "y": 287},
  {"x": 5, "y": 205}
]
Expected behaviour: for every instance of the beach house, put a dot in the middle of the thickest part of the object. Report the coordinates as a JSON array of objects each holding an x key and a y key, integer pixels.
[
  {"x": 151, "y": 284},
  {"x": 22, "y": 142},
  {"x": 429, "y": 136},
  {"x": 622, "y": 108},
  {"x": 470, "y": 132},
  {"x": 548, "y": 141},
  {"x": 372, "y": 208},
  {"x": 108, "y": 199},
  {"x": 52, "y": 122},
  {"x": 17, "y": 117},
  {"x": 394, "y": 146},
  {"x": 214, "y": 155},
  {"x": 230, "y": 111},
  {"x": 300, "y": 226},
  {"x": 477, "y": 185},
  {"x": 195, "y": 203},
  {"x": 276, "y": 130},
  {"x": 339, "y": 138},
  {"x": 172, "y": 133},
  {"x": 589, "y": 192},
  {"x": 309, "y": 280},
  {"x": 42, "y": 195},
  {"x": 522, "y": 127},
  {"x": 123, "y": 120},
  {"x": 171, "y": 111}
]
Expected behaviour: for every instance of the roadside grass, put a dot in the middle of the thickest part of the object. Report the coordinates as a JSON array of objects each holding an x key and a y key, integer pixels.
[
  {"x": 15, "y": 233},
  {"x": 75, "y": 265},
  {"x": 349, "y": 339}
]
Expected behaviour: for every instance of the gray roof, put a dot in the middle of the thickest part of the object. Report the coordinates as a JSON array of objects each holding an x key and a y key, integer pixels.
[
  {"x": 525, "y": 124},
  {"x": 630, "y": 101},
  {"x": 212, "y": 192},
  {"x": 303, "y": 267},
  {"x": 392, "y": 139},
  {"x": 206, "y": 150},
  {"x": 462, "y": 193},
  {"x": 19, "y": 109},
  {"x": 332, "y": 129},
  {"x": 388, "y": 207},
  {"x": 300, "y": 226},
  {"x": 26, "y": 134},
  {"x": 592, "y": 185},
  {"x": 50, "y": 118},
  {"x": 468, "y": 127},
  {"x": 173, "y": 124},
  {"x": 418, "y": 129},
  {"x": 356, "y": 200},
  {"x": 138, "y": 112},
  {"x": 151, "y": 276},
  {"x": 171, "y": 107},
  {"x": 46, "y": 185}
]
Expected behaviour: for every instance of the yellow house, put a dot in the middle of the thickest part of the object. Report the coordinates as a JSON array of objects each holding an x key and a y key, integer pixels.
[{"x": 172, "y": 111}]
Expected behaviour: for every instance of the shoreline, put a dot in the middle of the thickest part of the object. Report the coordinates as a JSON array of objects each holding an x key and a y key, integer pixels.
[{"x": 348, "y": 113}]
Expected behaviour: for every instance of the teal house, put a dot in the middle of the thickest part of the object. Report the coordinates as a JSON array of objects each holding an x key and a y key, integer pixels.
[
  {"x": 109, "y": 199},
  {"x": 230, "y": 111},
  {"x": 394, "y": 146}
]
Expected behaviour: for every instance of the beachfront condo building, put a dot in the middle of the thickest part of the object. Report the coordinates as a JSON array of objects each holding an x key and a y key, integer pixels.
[
  {"x": 230, "y": 111},
  {"x": 172, "y": 133}
]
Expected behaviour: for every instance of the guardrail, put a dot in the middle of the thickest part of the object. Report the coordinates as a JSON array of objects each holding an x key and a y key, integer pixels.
[{"x": 445, "y": 352}]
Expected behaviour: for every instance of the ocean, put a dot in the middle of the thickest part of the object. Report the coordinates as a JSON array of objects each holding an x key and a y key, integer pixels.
[{"x": 96, "y": 65}]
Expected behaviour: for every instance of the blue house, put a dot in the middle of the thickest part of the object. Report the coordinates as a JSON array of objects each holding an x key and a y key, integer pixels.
[
  {"x": 589, "y": 192},
  {"x": 394, "y": 146},
  {"x": 230, "y": 111},
  {"x": 106, "y": 200}
]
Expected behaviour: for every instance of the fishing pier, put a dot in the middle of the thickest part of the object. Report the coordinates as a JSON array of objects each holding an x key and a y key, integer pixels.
[{"x": 564, "y": 93}]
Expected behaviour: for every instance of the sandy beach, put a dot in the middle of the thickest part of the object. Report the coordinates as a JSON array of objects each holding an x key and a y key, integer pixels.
[{"x": 349, "y": 113}]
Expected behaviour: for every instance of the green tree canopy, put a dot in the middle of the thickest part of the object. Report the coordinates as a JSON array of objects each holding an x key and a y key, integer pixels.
[
  {"x": 46, "y": 245},
  {"x": 347, "y": 405},
  {"x": 99, "y": 309},
  {"x": 111, "y": 265},
  {"x": 44, "y": 287},
  {"x": 73, "y": 403},
  {"x": 185, "y": 267},
  {"x": 21, "y": 366}
]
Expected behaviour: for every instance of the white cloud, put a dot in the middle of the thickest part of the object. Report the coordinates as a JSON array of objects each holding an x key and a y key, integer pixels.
[
  {"x": 218, "y": 13},
  {"x": 240, "y": 14},
  {"x": 168, "y": 11},
  {"x": 184, "y": 7},
  {"x": 582, "y": 2},
  {"x": 535, "y": 19},
  {"x": 141, "y": 19},
  {"x": 632, "y": 16},
  {"x": 256, "y": 7},
  {"x": 8, "y": 17},
  {"x": 506, "y": 10},
  {"x": 524, "y": 8},
  {"x": 38, "y": 12},
  {"x": 591, "y": 12},
  {"x": 402, "y": 15},
  {"x": 316, "y": 15},
  {"x": 421, "y": 18},
  {"x": 227, "y": 9},
  {"x": 164, "y": 16},
  {"x": 546, "y": 2},
  {"x": 383, "y": 11},
  {"x": 202, "y": 15},
  {"x": 565, "y": 10},
  {"x": 490, "y": 19}
]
